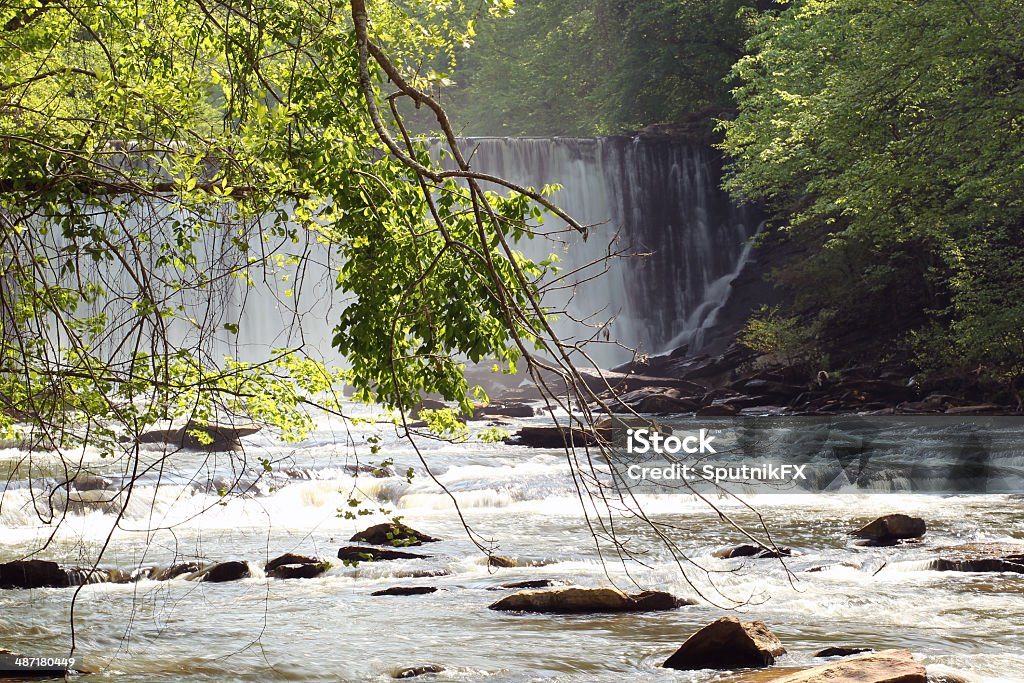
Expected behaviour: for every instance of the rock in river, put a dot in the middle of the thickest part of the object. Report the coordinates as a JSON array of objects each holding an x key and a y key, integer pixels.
[
  {"x": 980, "y": 557},
  {"x": 887, "y": 666},
  {"x": 32, "y": 574},
  {"x": 728, "y": 643},
  {"x": 392, "y": 534},
  {"x": 227, "y": 571},
  {"x": 361, "y": 553},
  {"x": 890, "y": 529},
  {"x": 755, "y": 551},
  {"x": 406, "y": 590},
  {"x": 575, "y": 600}
]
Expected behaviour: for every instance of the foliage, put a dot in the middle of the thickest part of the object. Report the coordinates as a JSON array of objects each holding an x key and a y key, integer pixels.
[
  {"x": 160, "y": 156},
  {"x": 785, "y": 341},
  {"x": 584, "y": 68},
  {"x": 889, "y": 135}
]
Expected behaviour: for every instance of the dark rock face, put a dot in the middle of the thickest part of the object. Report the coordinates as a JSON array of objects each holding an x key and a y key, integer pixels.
[
  {"x": 289, "y": 558},
  {"x": 227, "y": 571},
  {"x": 553, "y": 437},
  {"x": 755, "y": 551},
  {"x": 32, "y": 574},
  {"x": 841, "y": 651},
  {"x": 890, "y": 529},
  {"x": 414, "y": 671},
  {"x": 575, "y": 600},
  {"x": 174, "y": 571},
  {"x": 392, "y": 534},
  {"x": 297, "y": 571},
  {"x": 356, "y": 553},
  {"x": 718, "y": 410},
  {"x": 223, "y": 437},
  {"x": 887, "y": 666},
  {"x": 504, "y": 409},
  {"x": 727, "y": 643},
  {"x": 659, "y": 400},
  {"x": 406, "y": 590}
]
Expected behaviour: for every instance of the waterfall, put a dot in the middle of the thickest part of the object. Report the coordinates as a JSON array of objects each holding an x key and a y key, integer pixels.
[
  {"x": 656, "y": 201},
  {"x": 662, "y": 201}
]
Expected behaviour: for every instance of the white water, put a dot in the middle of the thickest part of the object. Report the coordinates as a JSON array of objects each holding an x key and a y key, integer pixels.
[{"x": 330, "y": 628}]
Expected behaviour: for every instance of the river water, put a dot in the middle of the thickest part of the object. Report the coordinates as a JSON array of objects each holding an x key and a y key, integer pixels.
[{"x": 331, "y": 629}]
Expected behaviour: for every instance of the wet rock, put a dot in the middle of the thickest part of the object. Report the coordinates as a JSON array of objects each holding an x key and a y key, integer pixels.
[
  {"x": 890, "y": 529},
  {"x": 887, "y": 666},
  {"x": 576, "y": 600},
  {"x": 501, "y": 561},
  {"x": 406, "y": 590},
  {"x": 504, "y": 409},
  {"x": 218, "y": 437},
  {"x": 176, "y": 570},
  {"x": 32, "y": 574},
  {"x": 661, "y": 400},
  {"x": 727, "y": 643},
  {"x": 554, "y": 437},
  {"x": 227, "y": 571},
  {"x": 414, "y": 671},
  {"x": 298, "y": 571},
  {"x": 842, "y": 651},
  {"x": 980, "y": 557},
  {"x": 755, "y": 551},
  {"x": 85, "y": 576},
  {"x": 361, "y": 553},
  {"x": 718, "y": 410},
  {"x": 289, "y": 558},
  {"x": 521, "y": 585},
  {"x": 980, "y": 409},
  {"x": 392, "y": 534},
  {"x": 90, "y": 482}
]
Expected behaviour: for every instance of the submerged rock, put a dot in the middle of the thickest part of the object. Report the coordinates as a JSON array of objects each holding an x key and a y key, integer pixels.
[
  {"x": 392, "y": 534},
  {"x": 361, "y": 553},
  {"x": 755, "y": 551},
  {"x": 890, "y": 529},
  {"x": 727, "y": 643},
  {"x": 887, "y": 666},
  {"x": 518, "y": 585},
  {"x": 575, "y": 600},
  {"x": 414, "y": 671},
  {"x": 406, "y": 590},
  {"x": 842, "y": 651},
  {"x": 227, "y": 571}
]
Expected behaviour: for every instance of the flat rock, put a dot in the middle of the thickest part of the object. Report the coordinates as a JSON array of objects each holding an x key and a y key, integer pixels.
[
  {"x": 524, "y": 585},
  {"x": 219, "y": 437},
  {"x": 361, "y": 553},
  {"x": 886, "y": 666},
  {"x": 718, "y": 410},
  {"x": 392, "y": 535},
  {"x": 32, "y": 574},
  {"x": 289, "y": 558},
  {"x": 414, "y": 671},
  {"x": 406, "y": 590},
  {"x": 660, "y": 400},
  {"x": 297, "y": 571},
  {"x": 842, "y": 651},
  {"x": 980, "y": 557},
  {"x": 727, "y": 643},
  {"x": 575, "y": 600},
  {"x": 504, "y": 409},
  {"x": 890, "y": 529},
  {"x": 543, "y": 436}
]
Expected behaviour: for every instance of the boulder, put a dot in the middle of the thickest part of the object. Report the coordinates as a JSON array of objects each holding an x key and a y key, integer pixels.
[
  {"x": 414, "y": 671},
  {"x": 755, "y": 551},
  {"x": 891, "y": 529},
  {"x": 406, "y": 590},
  {"x": 501, "y": 561},
  {"x": 841, "y": 651},
  {"x": 227, "y": 571},
  {"x": 575, "y": 600},
  {"x": 289, "y": 558},
  {"x": 297, "y": 571},
  {"x": 660, "y": 400},
  {"x": 362, "y": 553},
  {"x": 980, "y": 557},
  {"x": 176, "y": 570},
  {"x": 32, "y": 574},
  {"x": 392, "y": 534},
  {"x": 504, "y": 409},
  {"x": 727, "y": 643},
  {"x": 886, "y": 666}
]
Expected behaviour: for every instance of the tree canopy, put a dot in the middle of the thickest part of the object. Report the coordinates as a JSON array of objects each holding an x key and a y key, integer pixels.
[
  {"x": 135, "y": 134},
  {"x": 889, "y": 138}
]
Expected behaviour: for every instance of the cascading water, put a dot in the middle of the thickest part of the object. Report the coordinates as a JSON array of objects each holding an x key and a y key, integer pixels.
[{"x": 663, "y": 202}]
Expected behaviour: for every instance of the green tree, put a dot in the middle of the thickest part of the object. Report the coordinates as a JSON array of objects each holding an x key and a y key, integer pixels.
[{"x": 888, "y": 136}]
